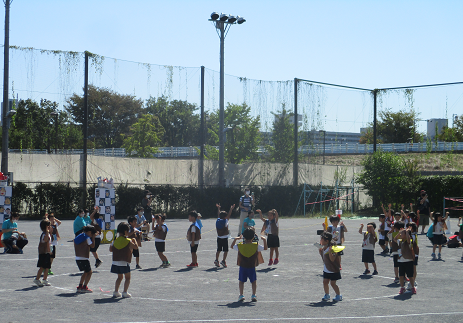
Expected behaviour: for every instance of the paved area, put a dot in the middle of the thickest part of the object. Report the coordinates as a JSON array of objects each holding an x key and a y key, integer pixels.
[{"x": 288, "y": 292}]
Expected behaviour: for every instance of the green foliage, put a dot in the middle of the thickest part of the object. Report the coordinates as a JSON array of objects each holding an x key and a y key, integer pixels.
[
  {"x": 454, "y": 134},
  {"x": 110, "y": 115},
  {"x": 282, "y": 150},
  {"x": 242, "y": 135},
  {"x": 439, "y": 187},
  {"x": 177, "y": 118},
  {"x": 145, "y": 136}
]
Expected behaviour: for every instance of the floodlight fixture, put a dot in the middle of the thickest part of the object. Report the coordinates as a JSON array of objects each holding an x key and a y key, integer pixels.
[
  {"x": 214, "y": 16},
  {"x": 231, "y": 19},
  {"x": 11, "y": 113},
  {"x": 240, "y": 20},
  {"x": 223, "y": 17}
]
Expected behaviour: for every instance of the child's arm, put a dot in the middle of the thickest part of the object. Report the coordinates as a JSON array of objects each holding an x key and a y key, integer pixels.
[
  {"x": 384, "y": 210},
  {"x": 234, "y": 241},
  {"x": 218, "y": 209},
  {"x": 431, "y": 216},
  {"x": 411, "y": 207},
  {"x": 276, "y": 215},
  {"x": 264, "y": 239},
  {"x": 260, "y": 215},
  {"x": 111, "y": 247},
  {"x": 344, "y": 226},
  {"x": 193, "y": 234},
  {"x": 230, "y": 211},
  {"x": 58, "y": 222},
  {"x": 332, "y": 255},
  {"x": 361, "y": 228},
  {"x": 446, "y": 216},
  {"x": 133, "y": 244},
  {"x": 264, "y": 226}
]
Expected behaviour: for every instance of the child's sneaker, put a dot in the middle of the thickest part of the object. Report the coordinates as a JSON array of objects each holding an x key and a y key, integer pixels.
[
  {"x": 241, "y": 298},
  {"x": 137, "y": 267},
  {"x": 396, "y": 280},
  {"x": 375, "y": 272},
  {"x": 38, "y": 282},
  {"x": 413, "y": 290},
  {"x": 50, "y": 272},
  {"x": 79, "y": 289},
  {"x": 270, "y": 262},
  {"x": 402, "y": 290},
  {"x": 45, "y": 283},
  {"x": 338, "y": 298},
  {"x": 433, "y": 256},
  {"x": 366, "y": 272},
  {"x": 85, "y": 289},
  {"x": 117, "y": 294},
  {"x": 439, "y": 256},
  {"x": 326, "y": 297},
  {"x": 126, "y": 295},
  {"x": 223, "y": 263},
  {"x": 253, "y": 298},
  {"x": 216, "y": 263},
  {"x": 276, "y": 261},
  {"x": 166, "y": 264},
  {"x": 409, "y": 286},
  {"x": 98, "y": 263},
  {"x": 192, "y": 265}
]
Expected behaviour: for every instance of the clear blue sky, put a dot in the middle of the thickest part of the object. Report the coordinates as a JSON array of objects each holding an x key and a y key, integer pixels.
[{"x": 371, "y": 44}]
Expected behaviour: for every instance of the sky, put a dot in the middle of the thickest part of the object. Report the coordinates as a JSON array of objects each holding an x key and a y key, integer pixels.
[{"x": 368, "y": 44}]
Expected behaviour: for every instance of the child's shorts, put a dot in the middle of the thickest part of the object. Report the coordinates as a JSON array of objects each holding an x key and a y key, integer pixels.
[
  {"x": 332, "y": 276},
  {"x": 194, "y": 249},
  {"x": 44, "y": 260},
  {"x": 382, "y": 242},
  {"x": 84, "y": 265},
  {"x": 160, "y": 246},
  {"x": 273, "y": 241},
  {"x": 120, "y": 269},
  {"x": 53, "y": 252},
  {"x": 368, "y": 256},
  {"x": 222, "y": 244},
  {"x": 438, "y": 239},
  {"x": 136, "y": 253},
  {"x": 97, "y": 244},
  {"x": 406, "y": 268},
  {"x": 396, "y": 260},
  {"x": 246, "y": 273}
]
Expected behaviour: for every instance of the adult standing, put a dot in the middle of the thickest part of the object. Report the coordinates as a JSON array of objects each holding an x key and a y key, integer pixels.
[
  {"x": 245, "y": 205},
  {"x": 13, "y": 240},
  {"x": 424, "y": 210},
  {"x": 146, "y": 204}
]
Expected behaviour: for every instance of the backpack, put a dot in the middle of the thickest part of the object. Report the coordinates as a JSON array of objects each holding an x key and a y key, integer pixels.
[{"x": 220, "y": 223}]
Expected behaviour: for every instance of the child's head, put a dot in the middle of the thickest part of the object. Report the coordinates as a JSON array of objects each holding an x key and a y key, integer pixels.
[
  {"x": 122, "y": 228},
  {"x": 251, "y": 214},
  {"x": 407, "y": 212},
  {"x": 132, "y": 220},
  {"x": 412, "y": 226},
  {"x": 397, "y": 216},
  {"x": 140, "y": 210},
  {"x": 437, "y": 217},
  {"x": 89, "y": 229},
  {"x": 160, "y": 218},
  {"x": 44, "y": 224},
  {"x": 399, "y": 225},
  {"x": 14, "y": 217},
  {"x": 325, "y": 238},
  {"x": 223, "y": 214},
  {"x": 334, "y": 220},
  {"x": 371, "y": 226},
  {"x": 382, "y": 218},
  {"x": 248, "y": 234},
  {"x": 96, "y": 215},
  {"x": 271, "y": 214},
  {"x": 81, "y": 213},
  {"x": 192, "y": 216},
  {"x": 51, "y": 217}
]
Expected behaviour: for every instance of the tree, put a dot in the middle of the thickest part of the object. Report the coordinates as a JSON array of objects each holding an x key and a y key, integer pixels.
[
  {"x": 454, "y": 134},
  {"x": 146, "y": 135},
  {"x": 241, "y": 133},
  {"x": 367, "y": 137},
  {"x": 394, "y": 127},
  {"x": 282, "y": 150},
  {"x": 177, "y": 117},
  {"x": 110, "y": 115}
]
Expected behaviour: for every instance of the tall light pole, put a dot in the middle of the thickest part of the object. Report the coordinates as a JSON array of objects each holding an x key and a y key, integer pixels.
[
  {"x": 6, "y": 103},
  {"x": 222, "y": 24}
]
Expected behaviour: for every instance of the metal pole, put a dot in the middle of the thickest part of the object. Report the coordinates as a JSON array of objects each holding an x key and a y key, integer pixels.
[
  {"x": 221, "y": 26},
  {"x": 202, "y": 135},
  {"x": 374, "y": 119},
  {"x": 295, "y": 162},
  {"x": 324, "y": 141},
  {"x": 6, "y": 104},
  {"x": 85, "y": 133}
]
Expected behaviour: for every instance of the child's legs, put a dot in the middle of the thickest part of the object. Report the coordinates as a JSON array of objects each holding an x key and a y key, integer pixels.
[
  {"x": 118, "y": 282},
  {"x": 366, "y": 265},
  {"x": 396, "y": 271},
  {"x": 434, "y": 248},
  {"x": 217, "y": 255},
  {"x": 225, "y": 253},
  {"x": 45, "y": 273},
  {"x": 241, "y": 286},
  {"x": 82, "y": 278},
  {"x": 194, "y": 257},
  {"x": 374, "y": 265},
  {"x": 383, "y": 246},
  {"x": 95, "y": 254},
  {"x": 335, "y": 287},
  {"x": 414, "y": 273},
  {"x": 137, "y": 260},
  {"x": 254, "y": 287},
  {"x": 162, "y": 257},
  {"x": 39, "y": 273},
  {"x": 326, "y": 285},
  {"x": 87, "y": 278},
  {"x": 402, "y": 281},
  {"x": 272, "y": 250},
  {"x": 440, "y": 248},
  {"x": 277, "y": 254},
  {"x": 127, "y": 282}
]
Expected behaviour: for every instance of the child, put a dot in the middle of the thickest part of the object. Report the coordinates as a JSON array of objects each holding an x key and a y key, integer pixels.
[
  {"x": 368, "y": 247},
  {"x": 248, "y": 260},
  {"x": 438, "y": 239},
  {"x": 193, "y": 236},
  {"x": 222, "y": 235},
  {"x": 406, "y": 259},
  {"x": 160, "y": 233},
  {"x": 270, "y": 228},
  {"x": 405, "y": 215},
  {"x": 142, "y": 224},
  {"x": 413, "y": 227},
  {"x": 54, "y": 223},
  {"x": 398, "y": 225},
  {"x": 337, "y": 230},
  {"x": 82, "y": 244},
  {"x": 383, "y": 238},
  {"x": 136, "y": 234},
  {"x": 98, "y": 224},
  {"x": 44, "y": 262},
  {"x": 248, "y": 222},
  {"x": 122, "y": 248},
  {"x": 389, "y": 219},
  {"x": 331, "y": 270}
]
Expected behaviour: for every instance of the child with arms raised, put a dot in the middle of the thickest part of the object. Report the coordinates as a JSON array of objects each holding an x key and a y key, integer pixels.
[{"x": 270, "y": 228}]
